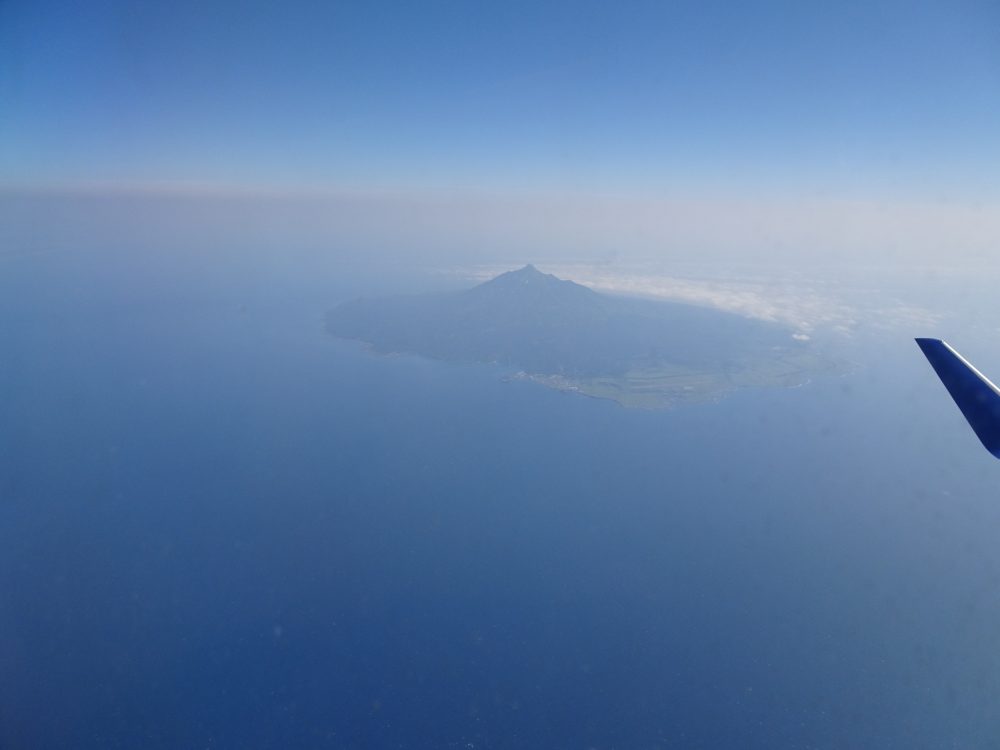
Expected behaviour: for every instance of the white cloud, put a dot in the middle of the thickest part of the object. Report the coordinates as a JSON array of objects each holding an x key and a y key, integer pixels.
[{"x": 806, "y": 305}]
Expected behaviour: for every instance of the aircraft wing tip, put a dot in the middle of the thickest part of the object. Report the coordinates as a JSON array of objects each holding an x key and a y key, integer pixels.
[{"x": 976, "y": 397}]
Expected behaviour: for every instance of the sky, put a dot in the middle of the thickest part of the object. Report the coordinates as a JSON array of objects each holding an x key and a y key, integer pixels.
[{"x": 819, "y": 111}]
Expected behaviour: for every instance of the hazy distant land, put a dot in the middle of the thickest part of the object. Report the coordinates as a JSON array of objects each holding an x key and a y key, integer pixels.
[{"x": 640, "y": 353}]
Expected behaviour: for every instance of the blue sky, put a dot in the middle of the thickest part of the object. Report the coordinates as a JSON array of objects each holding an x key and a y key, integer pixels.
[{"x": 883, "y": 97}]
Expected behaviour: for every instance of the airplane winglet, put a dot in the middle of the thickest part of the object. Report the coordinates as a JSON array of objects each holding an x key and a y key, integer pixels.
[{"x": 974, "y": 394}]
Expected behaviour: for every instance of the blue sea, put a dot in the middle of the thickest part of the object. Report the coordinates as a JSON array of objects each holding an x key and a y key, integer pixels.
[{"x": 221, "y": 528}]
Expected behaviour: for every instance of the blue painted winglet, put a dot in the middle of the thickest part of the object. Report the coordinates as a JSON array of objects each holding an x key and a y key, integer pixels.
[{"x": 975, "y": 395}]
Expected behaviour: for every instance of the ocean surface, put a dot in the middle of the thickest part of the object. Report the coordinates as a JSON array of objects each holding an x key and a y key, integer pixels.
[{"x": 221, "y": 528}]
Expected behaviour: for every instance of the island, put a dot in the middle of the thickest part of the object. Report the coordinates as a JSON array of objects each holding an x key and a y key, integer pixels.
[{"x": 638, "y": 352}]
